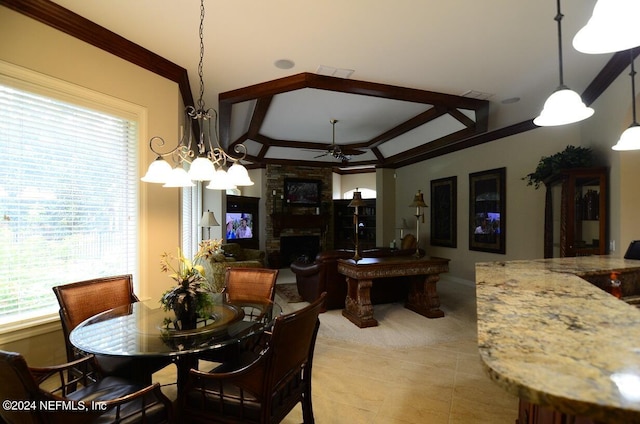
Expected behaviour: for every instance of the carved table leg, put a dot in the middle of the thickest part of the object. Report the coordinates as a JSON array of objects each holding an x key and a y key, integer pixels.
[
  {"x": 358, "y": 308},
  {"x": 423, "y": 297}
]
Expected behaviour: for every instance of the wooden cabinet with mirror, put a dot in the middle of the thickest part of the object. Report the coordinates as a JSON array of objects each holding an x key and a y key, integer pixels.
[{"x": 576, "y": 213}]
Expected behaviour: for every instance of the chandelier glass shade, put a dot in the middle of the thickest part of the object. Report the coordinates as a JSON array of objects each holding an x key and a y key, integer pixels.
[
  {"x": 630, "y": 138},
  {"x": 564, "y": 106},
  {"x": 209, "y": 160},
  {"x": 613, "y": 27}
]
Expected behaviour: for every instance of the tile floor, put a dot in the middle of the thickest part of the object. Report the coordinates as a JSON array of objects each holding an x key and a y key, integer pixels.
[{"x": 440, "y": 384}]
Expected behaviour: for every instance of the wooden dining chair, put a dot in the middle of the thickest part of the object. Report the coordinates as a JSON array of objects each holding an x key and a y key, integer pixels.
[
  {"x": 248, "y": 283},
  {"x": 265, "y": 389},
  {"x": 84, "y": 299},
  {"x": 122, "y": 401}
]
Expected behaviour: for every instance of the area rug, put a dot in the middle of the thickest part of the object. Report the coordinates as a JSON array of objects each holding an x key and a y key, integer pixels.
[
  {"x": 400, "y": 327},
  {"x": 289, "y": 292}
]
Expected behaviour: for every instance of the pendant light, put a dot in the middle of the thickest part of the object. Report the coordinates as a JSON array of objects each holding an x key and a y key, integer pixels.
[
  {"x": 613, "y": 27},
  {"x": 564, "y": 106},
  {"x": 630, "y": 138},
  {"x": 209, "y": 160}
]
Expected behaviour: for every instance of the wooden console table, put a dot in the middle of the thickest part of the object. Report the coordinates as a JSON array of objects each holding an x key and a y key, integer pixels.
[{"x": 423, "y": 297}]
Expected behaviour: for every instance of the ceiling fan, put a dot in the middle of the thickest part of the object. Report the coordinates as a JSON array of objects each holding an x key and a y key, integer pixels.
[{"x": 341, "y": 153}]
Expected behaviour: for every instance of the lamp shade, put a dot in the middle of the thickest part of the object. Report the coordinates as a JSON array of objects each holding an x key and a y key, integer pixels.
[
  {"x": 202, "y": 169},
  {"x": 238, "y": 175},
  {"x": 357, "y": 200},
  {"x": 179, "y": 178},
  {"x": 208, "y": 220},
  {"x": 612, "y": 28},
  {"x": 220, "y": 181},
  {"x": 418, "y": 201},
  {"x": 629, "y": 139},
  {"x": 159, "y": 171},
  {"x": 564, "y": 106}
]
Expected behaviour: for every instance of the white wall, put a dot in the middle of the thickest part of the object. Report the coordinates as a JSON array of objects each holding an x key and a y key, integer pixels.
[
  {"x": 30, "y": 44},
  {"x": 525, "y": 205}
]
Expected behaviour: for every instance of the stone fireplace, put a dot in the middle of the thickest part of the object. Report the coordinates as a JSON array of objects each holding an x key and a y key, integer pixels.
[{"x": 312, "y": 224}]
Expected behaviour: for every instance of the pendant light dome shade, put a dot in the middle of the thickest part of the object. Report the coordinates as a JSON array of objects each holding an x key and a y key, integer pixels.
[
  {"x": 612, "y": 28},
  {"x": 629, "y": 139},
  {"x": 564, "y": 106}
]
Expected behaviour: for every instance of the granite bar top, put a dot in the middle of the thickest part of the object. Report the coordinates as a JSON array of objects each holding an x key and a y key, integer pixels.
[{"x": 554, "y": 339}]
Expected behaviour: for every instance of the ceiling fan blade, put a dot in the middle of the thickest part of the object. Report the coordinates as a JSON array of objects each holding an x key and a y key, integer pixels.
[
  {"x": 319, "y": 156},
  {"x": 352, "y": 152}
]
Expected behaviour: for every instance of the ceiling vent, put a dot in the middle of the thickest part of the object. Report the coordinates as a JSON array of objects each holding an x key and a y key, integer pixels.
[{"x": 334, "y": 72}]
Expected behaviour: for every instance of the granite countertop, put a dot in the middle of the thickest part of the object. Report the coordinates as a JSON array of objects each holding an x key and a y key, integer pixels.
[{"x": 554, "y": 339}]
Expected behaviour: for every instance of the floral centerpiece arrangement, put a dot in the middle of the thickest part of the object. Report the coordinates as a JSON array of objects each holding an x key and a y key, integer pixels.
[{"x": 191, "y": 296}]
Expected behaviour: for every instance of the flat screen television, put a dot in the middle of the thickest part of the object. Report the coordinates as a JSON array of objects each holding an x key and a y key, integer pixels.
[{"x": 239, "y": 225}]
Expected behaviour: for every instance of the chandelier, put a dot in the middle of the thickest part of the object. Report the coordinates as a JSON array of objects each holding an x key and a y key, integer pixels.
[{"x": 208, "y": 161}]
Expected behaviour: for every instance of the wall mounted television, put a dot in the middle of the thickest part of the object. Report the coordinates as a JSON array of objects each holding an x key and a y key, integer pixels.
[
  {"x": 300, "y": 192},
  {"x": 239, "y": 225}
]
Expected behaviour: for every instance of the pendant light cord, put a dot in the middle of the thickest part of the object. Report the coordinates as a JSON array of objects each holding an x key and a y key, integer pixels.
[{"x": 558, "y": 18}]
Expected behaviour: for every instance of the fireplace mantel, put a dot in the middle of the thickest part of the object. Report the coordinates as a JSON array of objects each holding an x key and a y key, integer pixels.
[{"x": 281, "y": 221}]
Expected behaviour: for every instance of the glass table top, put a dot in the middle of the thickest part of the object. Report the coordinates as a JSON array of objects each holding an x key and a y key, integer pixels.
[{"x": 144, "y": 328}]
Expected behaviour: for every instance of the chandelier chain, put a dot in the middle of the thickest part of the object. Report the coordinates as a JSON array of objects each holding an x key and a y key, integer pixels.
[{"x": 200, "y": 66}]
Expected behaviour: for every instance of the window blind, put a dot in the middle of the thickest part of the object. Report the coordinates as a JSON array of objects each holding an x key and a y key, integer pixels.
[{"x": 68, "y": 190}]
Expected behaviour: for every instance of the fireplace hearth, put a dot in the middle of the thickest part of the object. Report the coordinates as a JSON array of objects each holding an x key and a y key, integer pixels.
[{"x": 303, "y": 248}]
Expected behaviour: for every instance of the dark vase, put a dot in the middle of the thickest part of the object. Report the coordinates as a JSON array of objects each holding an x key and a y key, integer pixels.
[{"x": 186, "y": 314}]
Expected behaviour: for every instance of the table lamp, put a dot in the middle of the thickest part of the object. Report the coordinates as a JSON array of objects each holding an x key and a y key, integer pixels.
[
  {"x": 356, "y": 203},
  {"x": 208, "y": 220},
  {"x": 418, "y": 203}
]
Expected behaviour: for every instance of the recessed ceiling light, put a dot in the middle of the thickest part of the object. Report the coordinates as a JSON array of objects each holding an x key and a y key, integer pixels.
[{"x": 284, "y": 63}]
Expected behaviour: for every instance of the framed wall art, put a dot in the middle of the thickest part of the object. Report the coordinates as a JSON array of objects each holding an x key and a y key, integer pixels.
[
  {"x": 487, "y": 211},
  {"x": 444, "y": 212}
]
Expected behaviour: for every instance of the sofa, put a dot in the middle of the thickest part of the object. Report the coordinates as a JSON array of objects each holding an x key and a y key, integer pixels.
[
  {"x": 322, "y": 275},
  {"x": 233, "y": 256}
]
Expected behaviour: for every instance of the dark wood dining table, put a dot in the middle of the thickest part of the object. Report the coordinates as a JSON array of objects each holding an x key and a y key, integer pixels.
[{"x": 145, "y": 330}]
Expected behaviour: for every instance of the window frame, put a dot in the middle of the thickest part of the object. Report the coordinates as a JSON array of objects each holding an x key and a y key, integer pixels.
[{"x": 44, "y": 85}]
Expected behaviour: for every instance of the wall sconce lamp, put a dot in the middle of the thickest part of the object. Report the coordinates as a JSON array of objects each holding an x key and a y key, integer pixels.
[
  {"x": 356, "y": 203},
  {"x": 208, "y": 220},
  {"x": 418, "y": 203}
]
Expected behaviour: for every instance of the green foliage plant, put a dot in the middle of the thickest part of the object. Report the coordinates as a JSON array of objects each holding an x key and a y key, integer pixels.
[{"x": 571, "y": 157}]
